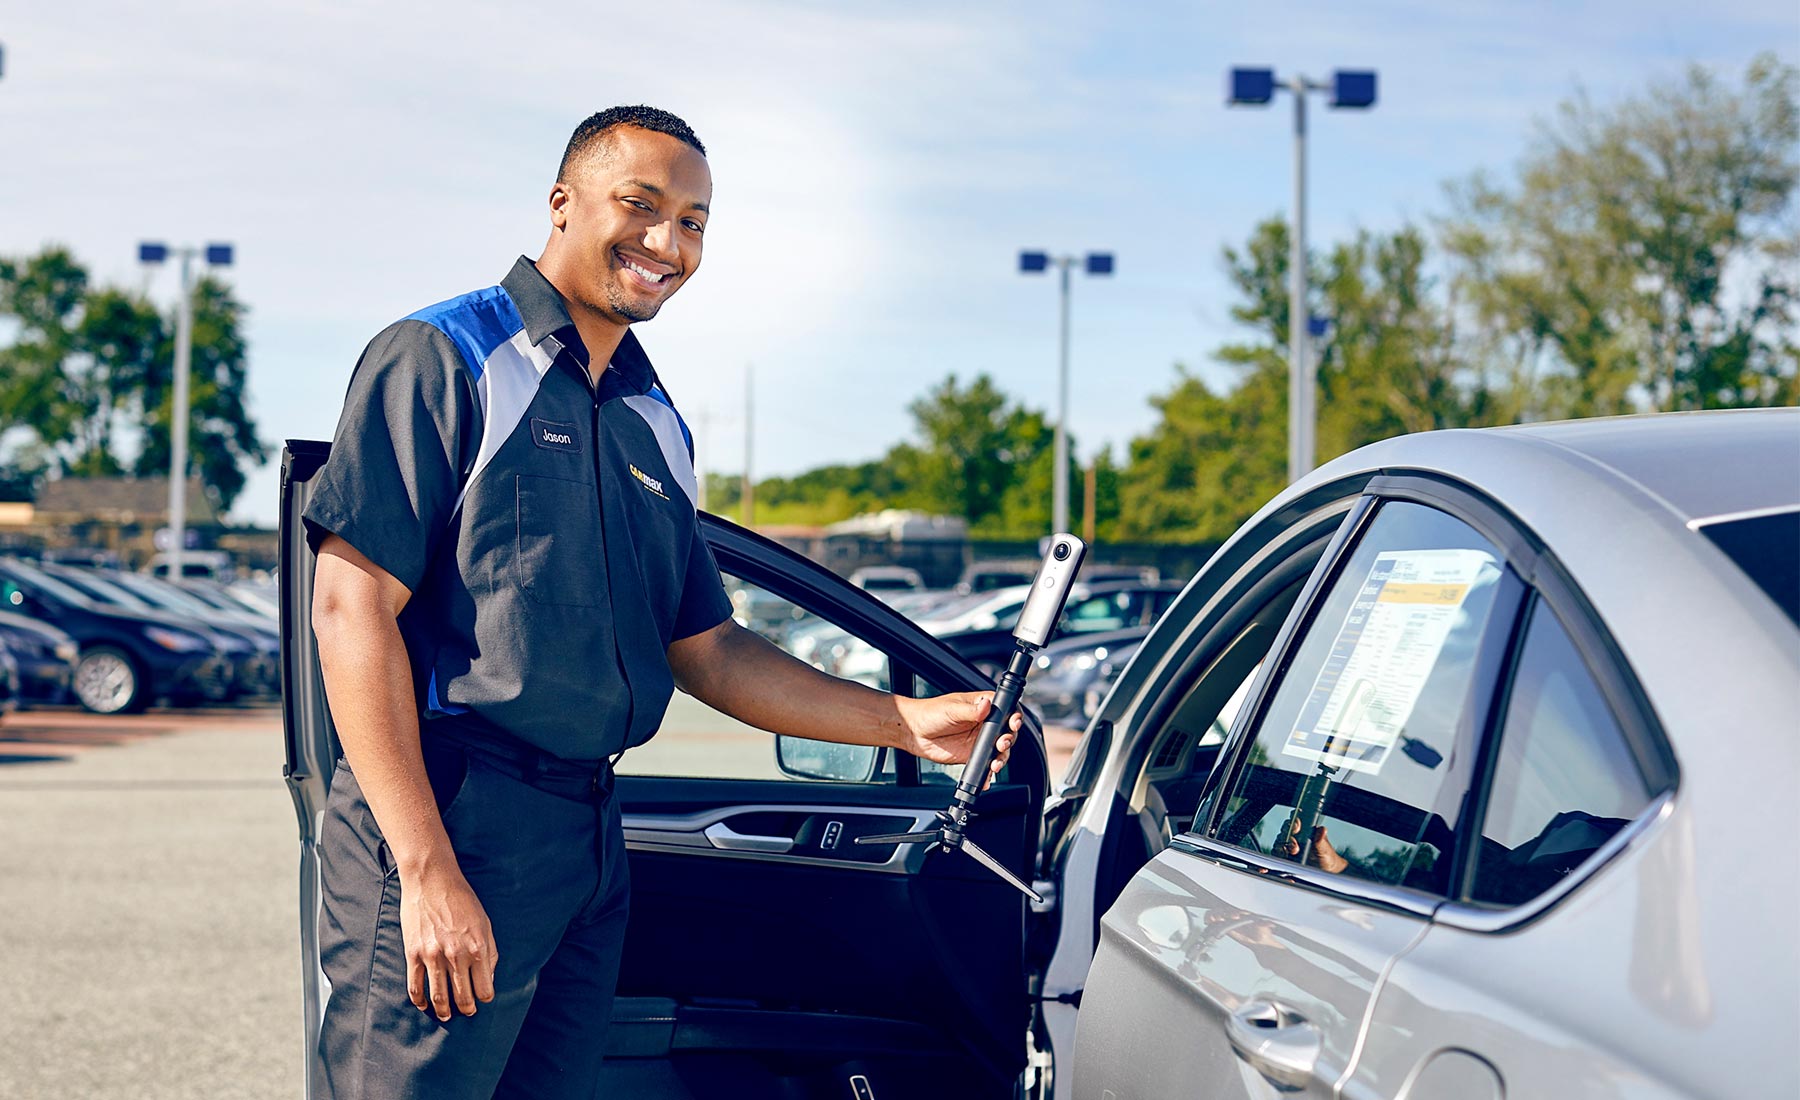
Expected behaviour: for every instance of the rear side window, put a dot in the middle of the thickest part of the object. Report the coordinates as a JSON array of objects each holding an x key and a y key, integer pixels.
[
  {"x": 1767, "y": 549},
  {"x": 1350, "y": 770},
  {"x": 1565, "y": 779}
]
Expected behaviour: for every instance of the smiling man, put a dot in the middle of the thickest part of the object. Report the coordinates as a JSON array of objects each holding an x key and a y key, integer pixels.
[{"x": 511, "y": 581}]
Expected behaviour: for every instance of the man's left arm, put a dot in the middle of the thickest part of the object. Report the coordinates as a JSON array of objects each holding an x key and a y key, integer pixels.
[{"x": 746, "y": 676}]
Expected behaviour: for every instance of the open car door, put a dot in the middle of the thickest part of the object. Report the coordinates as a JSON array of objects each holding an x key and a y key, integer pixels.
[{"x": 768, "y": 954}]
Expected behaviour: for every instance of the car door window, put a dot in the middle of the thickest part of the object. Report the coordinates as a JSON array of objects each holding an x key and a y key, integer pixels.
[
  {"x": 696, "y": 741},
  {"x": 1564, "y": 779},
  {"x": 1349, "y": 768}
]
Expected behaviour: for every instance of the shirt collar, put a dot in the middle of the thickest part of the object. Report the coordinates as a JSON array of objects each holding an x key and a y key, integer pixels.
[{"x": 546, "y": 318}]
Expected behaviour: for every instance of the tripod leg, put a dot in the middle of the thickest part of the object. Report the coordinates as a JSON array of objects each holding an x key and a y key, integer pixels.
[
  {"x": 900, "y": 838},
  {"x": 998, "y": 868}
]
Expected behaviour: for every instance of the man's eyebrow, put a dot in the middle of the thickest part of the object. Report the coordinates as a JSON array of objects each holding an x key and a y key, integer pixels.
[{"x": 659, "y": 193}]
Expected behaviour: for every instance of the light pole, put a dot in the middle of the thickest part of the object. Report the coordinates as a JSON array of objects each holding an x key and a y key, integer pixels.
[
  {"x": 216, "y": 255},
  {"x": 1351, "y": 90},
  {"x": 1036, "y": 263}
]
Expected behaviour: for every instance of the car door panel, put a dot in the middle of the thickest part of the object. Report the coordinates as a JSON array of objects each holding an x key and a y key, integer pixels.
[{"x": 1259, "y": 988}]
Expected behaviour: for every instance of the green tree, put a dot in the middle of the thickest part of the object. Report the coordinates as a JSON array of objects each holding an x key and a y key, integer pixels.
[
  {"x": 975, "y": 445},
  {"x": 1641, "y": 257},
  {"x": 86, "y": 373},
  {"x": 42, "y": 296}
]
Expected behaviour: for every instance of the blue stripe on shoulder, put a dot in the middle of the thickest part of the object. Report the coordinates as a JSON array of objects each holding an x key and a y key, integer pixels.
[
  {"x": 477, "y": 322},
  {"x": 656, "y": 392}
]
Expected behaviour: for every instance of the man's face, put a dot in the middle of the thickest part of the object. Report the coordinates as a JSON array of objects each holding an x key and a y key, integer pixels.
[{"x": 632, "y": 218}]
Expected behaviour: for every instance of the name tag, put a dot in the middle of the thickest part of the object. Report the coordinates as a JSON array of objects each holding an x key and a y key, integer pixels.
[{"x": 556, "y": 437}]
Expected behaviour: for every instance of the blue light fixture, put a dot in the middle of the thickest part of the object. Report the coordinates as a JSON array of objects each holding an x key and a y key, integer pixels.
[
  {"x": 1034, "y": 263},
  {"x": 1353, "y": 89},
  {"x": 1250, "y": 87},
  {"x": 1099, "y": 263},
  {"x": 218, "y": 255},
  {"x": 151, "y": 253}
]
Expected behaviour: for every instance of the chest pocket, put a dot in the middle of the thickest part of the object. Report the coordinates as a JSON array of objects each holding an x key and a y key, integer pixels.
[{"x": 560, "y": 561}]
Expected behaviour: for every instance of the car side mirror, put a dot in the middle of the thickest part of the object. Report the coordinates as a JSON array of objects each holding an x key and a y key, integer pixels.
[{"x": 804, "y": 758}]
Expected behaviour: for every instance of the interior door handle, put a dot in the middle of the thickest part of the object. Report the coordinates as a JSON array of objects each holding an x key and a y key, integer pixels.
[
  {"x": 1278, "y": 1042},
  {"x": 724, "y": 836}
]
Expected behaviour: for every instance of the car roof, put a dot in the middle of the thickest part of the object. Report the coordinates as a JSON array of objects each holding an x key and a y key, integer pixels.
[{"x": 1702, "y": 465}]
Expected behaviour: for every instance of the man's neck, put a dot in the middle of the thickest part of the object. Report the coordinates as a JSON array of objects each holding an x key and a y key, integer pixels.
[
  {"x": 600, "y": 337},
  {"x": 600, "y": 334}
]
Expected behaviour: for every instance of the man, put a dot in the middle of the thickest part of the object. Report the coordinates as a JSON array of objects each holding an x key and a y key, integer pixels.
[{"x": 511, "y": 580}]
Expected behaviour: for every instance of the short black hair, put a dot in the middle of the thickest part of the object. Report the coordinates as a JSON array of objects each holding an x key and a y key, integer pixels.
[{"x": 596, "y": 126}]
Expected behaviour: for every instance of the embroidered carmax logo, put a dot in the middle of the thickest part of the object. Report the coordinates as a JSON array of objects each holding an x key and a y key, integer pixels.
[{"x": 648, "y": 482}]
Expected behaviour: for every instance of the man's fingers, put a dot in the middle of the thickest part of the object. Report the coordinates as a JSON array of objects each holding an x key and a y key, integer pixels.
[
  {"x": 462, "y": 990},
  {"x": 439, "y": 979},
  {"x": 482, "y": 974},
  {"x": 415, "y": 981}
]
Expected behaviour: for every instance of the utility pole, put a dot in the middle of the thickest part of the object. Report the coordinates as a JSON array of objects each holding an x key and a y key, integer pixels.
[
  {"x": 1351, "y": 89},
  {"x": 1090, "y": 502},
  {"x": 748, "y": 492},
  {"x": 216, "y": 255},
  {"x": 1034, "y": 263}
]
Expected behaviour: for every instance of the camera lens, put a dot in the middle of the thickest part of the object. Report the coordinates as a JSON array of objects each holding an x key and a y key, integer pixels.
[{"x": 1061, "y": 552}]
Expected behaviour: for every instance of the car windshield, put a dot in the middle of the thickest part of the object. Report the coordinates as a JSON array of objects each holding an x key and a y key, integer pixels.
[
  {"x": 162, "y": 595},
  {"x": 50, "y": 584},
  {"x": 103, "y": 591}
]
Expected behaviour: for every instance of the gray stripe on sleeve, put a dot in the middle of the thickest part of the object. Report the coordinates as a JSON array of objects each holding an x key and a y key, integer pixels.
[{"x": 667, "y": 427}]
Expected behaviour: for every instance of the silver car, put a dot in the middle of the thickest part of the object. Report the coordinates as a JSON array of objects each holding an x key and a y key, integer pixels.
[{"x": 1507, "y": 806}]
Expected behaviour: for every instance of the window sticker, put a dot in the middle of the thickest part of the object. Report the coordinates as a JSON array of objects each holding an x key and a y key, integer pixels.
[{"x": 1389, "y": 642}]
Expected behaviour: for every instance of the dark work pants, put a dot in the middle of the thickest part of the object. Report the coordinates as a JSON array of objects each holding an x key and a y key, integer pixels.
[{"x": 543, "y": 848}]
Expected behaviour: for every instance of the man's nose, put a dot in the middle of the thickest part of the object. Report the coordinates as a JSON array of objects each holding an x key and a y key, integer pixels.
[{"x": 660, "y": 240}]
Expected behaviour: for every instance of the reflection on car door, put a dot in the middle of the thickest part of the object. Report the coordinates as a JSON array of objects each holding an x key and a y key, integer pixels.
[
  {"x": 1246, "y": 956},
  {"x": 768, "y": 954}
]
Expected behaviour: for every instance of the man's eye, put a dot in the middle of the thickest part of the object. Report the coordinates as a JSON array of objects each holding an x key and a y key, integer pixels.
[
  {"x": 694, "y": 225},
  {"x": 639, "y": 204}
]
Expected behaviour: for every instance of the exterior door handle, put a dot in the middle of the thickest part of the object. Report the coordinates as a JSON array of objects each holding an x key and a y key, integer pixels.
[
  {"x": 1278, "y": 1042},
  {"x": 724, "y": 836}
]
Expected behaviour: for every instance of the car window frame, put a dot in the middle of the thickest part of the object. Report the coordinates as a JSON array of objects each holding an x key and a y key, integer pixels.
[
  {"x": 914, "y": 656},
  {"x": 1486, "y": 681},
  {"x": 1543, "y": 580}
]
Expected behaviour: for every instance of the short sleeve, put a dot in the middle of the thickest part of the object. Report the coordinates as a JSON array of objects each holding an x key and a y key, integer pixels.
[
  {"x": 704, "y": 604},
  {"x": 406, "y": 434}
]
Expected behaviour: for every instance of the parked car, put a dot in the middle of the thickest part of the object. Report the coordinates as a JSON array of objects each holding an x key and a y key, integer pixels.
[
  {"x": 214, "y": 565},
  {"x": 257, "y": 671},
  {"x": 45, "y": 655},
  {"x": 1092, "y": 608},
  {"x": 1070, "y": 676},
  {"x": 9, "y": 679},
  {"x": 113, "y": 589},
  {"x": 128, "y": 659},
  {"x": 887, "y": 578},
  {"x": 985, "y": 576},
  {"x": 1638, "y": 941}
]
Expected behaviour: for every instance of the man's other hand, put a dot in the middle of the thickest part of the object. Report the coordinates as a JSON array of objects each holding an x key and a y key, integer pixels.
[
  {"x": 943, "y": 728},
  {"x": 450, "y": 952}
]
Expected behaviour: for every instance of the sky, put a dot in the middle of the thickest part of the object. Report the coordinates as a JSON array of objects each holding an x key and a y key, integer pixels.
[{"x": 877, "y": 168}]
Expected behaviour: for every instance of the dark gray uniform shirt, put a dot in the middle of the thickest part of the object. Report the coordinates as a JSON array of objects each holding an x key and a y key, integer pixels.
[{"x": 546, "y": 528}]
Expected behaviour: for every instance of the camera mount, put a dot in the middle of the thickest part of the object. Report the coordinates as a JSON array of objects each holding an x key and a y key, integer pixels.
[{"x": 1037, "y": 622}]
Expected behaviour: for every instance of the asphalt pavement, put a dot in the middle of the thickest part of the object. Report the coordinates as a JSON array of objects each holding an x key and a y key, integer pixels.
[{"x": 147, "y": 907}]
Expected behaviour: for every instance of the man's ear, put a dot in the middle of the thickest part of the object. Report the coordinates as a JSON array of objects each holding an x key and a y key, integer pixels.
[{"x": 560, "y": 196}]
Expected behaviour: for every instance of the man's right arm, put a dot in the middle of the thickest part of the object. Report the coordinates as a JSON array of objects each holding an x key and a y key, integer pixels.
[{"x": 450, "y": 948}]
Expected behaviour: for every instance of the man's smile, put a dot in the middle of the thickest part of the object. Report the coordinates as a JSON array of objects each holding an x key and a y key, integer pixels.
[{"x": 651, "y": 276}]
